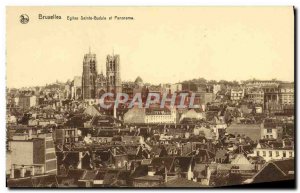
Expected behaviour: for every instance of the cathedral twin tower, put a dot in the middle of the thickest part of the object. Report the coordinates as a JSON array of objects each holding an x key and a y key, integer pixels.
[{"x": 94, "y": 84}]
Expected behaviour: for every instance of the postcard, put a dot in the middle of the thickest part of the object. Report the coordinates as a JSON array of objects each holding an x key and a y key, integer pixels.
[{"x": 150, "y": 97}]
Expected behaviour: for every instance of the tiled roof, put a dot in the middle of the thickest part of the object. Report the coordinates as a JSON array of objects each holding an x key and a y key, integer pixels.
[
  {"x": 35, "y": 181},
  {"x": 155, "y": 177},
  {"x": 285, "y": 171},
  {"x": 162, "y": 162},
  {"x": 100, "y": 175},
  {"x": 183, "y": 162},
  {"x": 285, "y": 165},
  {"x": 181, "y": 182},
  {"x": 250, "y": 130},
  {"x": 71, "y": 159},
  {"x": 110, "y": 176},
  {"x": 286, "y": 85},
  {"x": 75, "y": 173},
  {"x": 141, "y": 170},
  {"x": 89, "y": 175}
]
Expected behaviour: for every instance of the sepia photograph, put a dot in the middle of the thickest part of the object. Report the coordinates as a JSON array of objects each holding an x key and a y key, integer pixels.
[{"x": 160, "y": 97}]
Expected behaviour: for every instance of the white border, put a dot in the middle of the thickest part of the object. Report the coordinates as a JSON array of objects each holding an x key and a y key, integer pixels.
[{"x": 5, "y": 3}]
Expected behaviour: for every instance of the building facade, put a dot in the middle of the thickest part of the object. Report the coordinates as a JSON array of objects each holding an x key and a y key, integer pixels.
[
  {"x": 36, "y": 152},
  {"x": 113, "y": 74},
  {"x": 286, "y": 93},
  {"x": 25, "y": 102},
  {"x": 89, "y": 75},
  {"x": 94, "y": 85},
  {"x": 269, "y": 152},
  {"x": 237, "y": 94},
  {"x": 256, "y": 95}
]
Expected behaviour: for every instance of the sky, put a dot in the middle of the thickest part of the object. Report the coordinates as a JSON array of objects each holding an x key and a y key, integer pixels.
[{"x": 161, "y": 44}]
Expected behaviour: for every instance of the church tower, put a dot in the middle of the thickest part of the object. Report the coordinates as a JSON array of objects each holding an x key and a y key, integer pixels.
[
  {"x": 113, "y": 74},
  {"x": 89, "y": 76}
]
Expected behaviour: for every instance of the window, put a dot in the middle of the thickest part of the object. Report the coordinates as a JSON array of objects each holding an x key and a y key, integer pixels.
[
  {"x": 284, "y": 154},
  {"x": 257, "y": 153},
  {"x": 50, "y": 156},
  {"x": 264, "y": 153},
  {"x": 277, "y": 153},
  {"x": 49, "y": 144},
  {"x": 291, "y": 154},
  {"x": 270, "y": 153},
  {"x": 269, "y": 130}
]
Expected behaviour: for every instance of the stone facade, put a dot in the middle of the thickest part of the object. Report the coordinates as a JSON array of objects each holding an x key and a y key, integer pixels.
[
  {"x": 89, "y": 75},
  {"x": 94, "y": 85}
]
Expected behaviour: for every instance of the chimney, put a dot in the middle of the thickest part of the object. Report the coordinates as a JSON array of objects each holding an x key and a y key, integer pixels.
[
  {"x": 30, "y": 134},
  {"x": 12, "y": 171},
  {"x": 22, "y": 171},
  {"x": 240, "y": 149},
  {"x": 42, "y": 169},
  {"x": 114, "y": 151},
  {"x": 115, "y": 111},
  {"x": 151, "y": 172},
  {"x": 181, "y": 150},
  {"x": 166, "y": 174},
  {"x": 206, "y": 169},
  {"x": 32, "y": 171},
  {"x": 80, "y": 160},
  {"x": 93, "y": 158}
]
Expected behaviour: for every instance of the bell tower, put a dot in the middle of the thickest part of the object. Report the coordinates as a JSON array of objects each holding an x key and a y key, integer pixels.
[
  {"x": 89, "y": 76},
  {"x": 113, "y": 74}
]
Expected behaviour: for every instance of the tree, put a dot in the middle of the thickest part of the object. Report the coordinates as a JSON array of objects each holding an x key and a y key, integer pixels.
[
  {"x": 235, "y": 83},
  {"x": 212, "y": 82},
  {"x": 224, "y": 82}
]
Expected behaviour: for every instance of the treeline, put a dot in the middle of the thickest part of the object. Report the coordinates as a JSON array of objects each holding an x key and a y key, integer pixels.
[{"x": 204, "y": 81}]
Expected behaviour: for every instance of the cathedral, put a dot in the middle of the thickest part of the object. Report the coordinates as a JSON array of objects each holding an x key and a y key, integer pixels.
[{"x": 94, "y": 84}]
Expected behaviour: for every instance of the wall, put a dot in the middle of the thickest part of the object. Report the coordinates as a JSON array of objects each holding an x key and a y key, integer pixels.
[
  {"x": 269, "y": 157},
  {"x": 21, "y": 152}
]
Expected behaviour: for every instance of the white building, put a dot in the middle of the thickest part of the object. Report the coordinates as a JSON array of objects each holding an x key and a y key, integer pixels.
[
  {"x": 269, "y": 133},
  {"x": 151, "y": 115},
  {"x": 163, "y": 115},
  {"x": 192, "y": 114},
  {"x": 271, "y": 152},
  {"x": 216, "y": 88},
  {"x": 26, "y": 101},
  {"x": 237, "y": 94}
]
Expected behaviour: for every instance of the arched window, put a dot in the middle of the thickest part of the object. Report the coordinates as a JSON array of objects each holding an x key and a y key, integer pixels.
[
  {"x": 111, "y": 65},
  {"x": 91, "y": 80}
]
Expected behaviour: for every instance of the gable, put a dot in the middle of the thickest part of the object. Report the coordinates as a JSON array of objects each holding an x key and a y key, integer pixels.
[
  {"x": 92, "y": 111},
  {"x": 268, "y": 174},
  {"x": 240, "y": 159}
]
